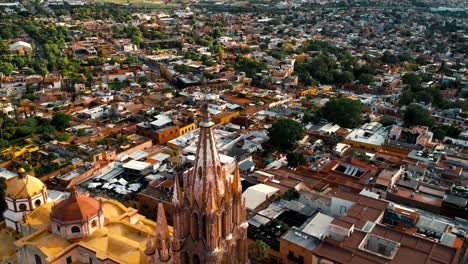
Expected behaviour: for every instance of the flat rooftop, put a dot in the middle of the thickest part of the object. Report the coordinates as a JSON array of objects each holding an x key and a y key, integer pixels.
[
  {"x": 370, "y": 133},
  {"x": 136, "y": 165}
]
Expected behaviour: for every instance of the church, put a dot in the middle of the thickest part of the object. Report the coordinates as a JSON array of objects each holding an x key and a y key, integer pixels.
[
  {"x": 209, "y": 212},
  {"x": 209, "y": 220}
]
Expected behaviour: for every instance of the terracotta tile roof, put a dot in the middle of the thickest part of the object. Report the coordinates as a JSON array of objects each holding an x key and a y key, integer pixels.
[{"x": 76, "y": 208}]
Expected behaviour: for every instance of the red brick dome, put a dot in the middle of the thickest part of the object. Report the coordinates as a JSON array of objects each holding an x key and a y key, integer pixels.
[{"x": 76, "y": 208}]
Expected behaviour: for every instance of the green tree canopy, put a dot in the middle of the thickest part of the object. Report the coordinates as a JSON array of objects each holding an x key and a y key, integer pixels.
[
  {"x": 284, "y": 133},
  {"x": 413, "y": 80},
  {"x": 291, "y": 194},
  {"x": 343, "y": 111},
  {"x": 366, "y": 78},
  {"x": 249, "y": 66},
  {"x": 389, "y": 58},
  {"x": 295, "y": 159},
  {"x": 258, "y": 250},
  {"x": 61, "y": 121},
  {"x": 417, "y": 115}
]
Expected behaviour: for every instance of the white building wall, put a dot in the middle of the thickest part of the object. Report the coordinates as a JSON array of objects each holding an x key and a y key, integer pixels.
[{"x": 339, "y": 207}]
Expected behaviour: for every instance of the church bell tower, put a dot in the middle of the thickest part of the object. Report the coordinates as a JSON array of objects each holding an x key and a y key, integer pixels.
[{"x": 209, "y": 211}]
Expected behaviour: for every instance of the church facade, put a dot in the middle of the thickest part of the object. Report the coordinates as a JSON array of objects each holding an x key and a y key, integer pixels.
[{"x": 209, "y": 212}]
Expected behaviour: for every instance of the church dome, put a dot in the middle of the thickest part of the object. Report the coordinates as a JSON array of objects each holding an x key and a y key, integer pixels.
[
  {"x": 76, "y": 208},
  {"x": 24, "y": 187}
]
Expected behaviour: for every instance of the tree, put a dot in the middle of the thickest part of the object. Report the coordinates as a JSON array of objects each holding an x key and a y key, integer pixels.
[
  {"x": 182, "y": 68},
  {"x": 258, "y": 250},
  {"x": 343, "y": 111},
  {"x": 6, "y": 68},
  {"x": 387, "y": 121},
  {"x": 284, "y": 133},
  {"x": 389, "y": 58},
  {"x": 366, "y": 78},
  {"x": 291, "y": 194},
  {"x": 62, "y": 136},
  {"x": 307, "y": 118},
  {"x": 61, "y": 121},
  {"x": 250, "y": 66},
  {"x": 413, "y": 80},
  {"x": 81, "y": 132},
  {"x": 295, "y": 159},
  {"x": 342, "y": 77},
  {"x": 417, "y": 115}
]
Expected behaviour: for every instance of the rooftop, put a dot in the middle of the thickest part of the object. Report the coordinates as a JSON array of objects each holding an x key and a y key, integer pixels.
[
  {"x": 136, "y": 165},
  {"x": 370, "y": 133}
]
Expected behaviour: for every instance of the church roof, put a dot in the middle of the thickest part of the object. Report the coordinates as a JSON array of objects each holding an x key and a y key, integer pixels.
[
  {"x": 76, "y": 208},
  {"x": 24, "y": 187},
  {"x": 119, "y": 241}
]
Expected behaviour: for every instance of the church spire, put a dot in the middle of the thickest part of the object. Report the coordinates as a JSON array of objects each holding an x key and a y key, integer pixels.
[
  {"x": 209, "y": 213},
  {"x": 207, "y": 166},
  {"x": 212, "y": 199},
  {"x": 236, "y": 181},
  {"x": 177, "y": 197},
  {"x": 150, "y": 249},
  {"x": 162, "y": 236}
]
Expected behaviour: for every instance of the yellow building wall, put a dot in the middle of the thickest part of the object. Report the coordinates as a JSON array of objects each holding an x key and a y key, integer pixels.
[
  {"x": 223, "y": 118},
  {"x": 311, "y": 91},
  {"x": 190, "y": 127},
  {"x": 362, "y": 145}
]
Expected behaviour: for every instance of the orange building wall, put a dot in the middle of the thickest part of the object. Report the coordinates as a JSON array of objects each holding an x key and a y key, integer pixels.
[{"x": 286, "y": 247}]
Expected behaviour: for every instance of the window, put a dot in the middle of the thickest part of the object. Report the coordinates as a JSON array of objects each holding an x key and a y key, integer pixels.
[
  {"x": 240, "y": 248},
  {"x": 37, "y": 203},
  {"x": 58, "y": 228},
  {"x": 223, "y": 225},
  {"x": 75, "y": 229},
  {"x": 343, "y": 210},
  {"x": 37, "y": 259},
  {"x": 185, "y": 258},
  {"x": 199, "y": 174},
  {"x": 203, "y": 223},
  {"x": 94, "y": 223},
  {"x": 196, "y": 259},
  {"x": 69, "y": 260},
  {"x": 195, "y": 226},
  {"x": 22, "y": 207}
]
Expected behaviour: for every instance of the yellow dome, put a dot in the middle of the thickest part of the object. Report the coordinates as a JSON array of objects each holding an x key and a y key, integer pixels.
[{"x": 24, "y": 187}]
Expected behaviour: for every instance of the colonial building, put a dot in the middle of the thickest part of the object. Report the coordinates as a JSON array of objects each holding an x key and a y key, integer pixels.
[
  {"x": 78, "y": 229},
  {"x": 209, "y": 212},
  {"x": 24, "y": 194}
]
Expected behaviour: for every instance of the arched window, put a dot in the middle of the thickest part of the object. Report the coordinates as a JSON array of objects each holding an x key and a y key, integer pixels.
[
  {"x": 37, "y": 203},
  {"x": 186, "y": 224},
  {"x": 75, "y": 229},
  {"x": 94, "y": 223},
  {"x": 240, "y": 248},
  {"x": 184, "y": 258},
  {"x": 22, "y": 207},
  {"x": 37, "y": 259},
  {"x": 195, "y": 227},
  {"x": 199, "y": 173},
  {"x": 203, "y": 223},
  {"x": 196, "y": 259},
  {"x": 223, "y": 225}
]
